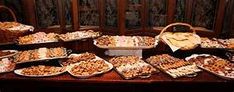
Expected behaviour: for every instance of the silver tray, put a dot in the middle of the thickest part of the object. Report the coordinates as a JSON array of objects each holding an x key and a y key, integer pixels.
[
  {"x": 125, "y": 48},
  {"x": 36, "y": 43},
  {"x": 18, "y": 72},
  {"x": 221, "y": 76},
  {"x": 81, "y": 38},
  {"x": 47, "y": 59}
]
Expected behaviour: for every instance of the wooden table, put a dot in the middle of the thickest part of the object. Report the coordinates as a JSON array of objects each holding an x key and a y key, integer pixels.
[{"x": 113, "y": 82}]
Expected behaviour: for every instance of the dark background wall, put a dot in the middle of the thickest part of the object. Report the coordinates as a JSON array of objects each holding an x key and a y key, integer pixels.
[{"x": 123, "y": 16}]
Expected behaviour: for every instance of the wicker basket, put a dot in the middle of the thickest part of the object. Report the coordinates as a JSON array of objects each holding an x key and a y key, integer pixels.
[
  {"x": 10, "y": 36},
  {"x": 181, "y": 24}
]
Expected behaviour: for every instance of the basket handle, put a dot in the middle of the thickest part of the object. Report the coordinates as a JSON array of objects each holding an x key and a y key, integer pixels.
[
  {"x": 12, "y": 13},
  {"x": 176, "y": 24}
]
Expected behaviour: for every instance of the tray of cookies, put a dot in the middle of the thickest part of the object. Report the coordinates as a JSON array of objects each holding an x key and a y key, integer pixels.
[
  {"x": 130, "y": 67},
  {"x": 38, "y": 38},
  {"x": 125, "y": 42},
  {"x": 175, "y": 67},
  {"x": 89, "y": 67},
  {"x": 79, "y": 35},
  {"x": 41, "y": 54},
  {"x": 40, "y": 71},
  {"x": 213, "y": 64},
  {"x": 215, "y": 43},
  {"x": 75, "y": 58}
]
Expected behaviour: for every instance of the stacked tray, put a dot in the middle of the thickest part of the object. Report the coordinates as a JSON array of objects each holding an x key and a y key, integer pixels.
[
  {"x": 38, "y": 38},
  {"x": 78, "y": 35},
  {"x": 41, "y": 54},
  {"x": 125, "y": 42}
]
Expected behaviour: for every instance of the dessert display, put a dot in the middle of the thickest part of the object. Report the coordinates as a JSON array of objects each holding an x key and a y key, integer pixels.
[
  {"x": 7, "y": 53},
  {"x": 213, "y": 64},
  {"x": 89, "y": 68},
  {"x": 217, "y": 43},
  {"x": 40, "y": 71},
  {"x": 75, "y": 58},
  {"x": 175, "y": 67},
  {"x": 14, "y": 26},
  {"x": 132, "y": 66},
  {"x": 125, "y": 42},
  {"x": 40, "y": 54},
  {"x": 6, "y": 65},
  {"x": 180, "y": 40},
  {"x": 39, "y": 37},
  {"x": 71, "y": 36}
]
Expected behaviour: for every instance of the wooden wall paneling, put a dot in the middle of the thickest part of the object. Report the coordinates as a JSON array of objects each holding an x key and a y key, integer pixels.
[
  {"x": 220, "y": 17},
  {"x": 171, "y": 11},
  {"x": 75, "y": 14},
  {"x": 231, "y": 30},
  {"x": 121, "y": 14},
  {"x": 188, "y": 10},
  {"x": 61, "y": 13},
  {"x": 101, "y": 5},
  {"x": 144, "y": 16},
  {"x": 228, "y": 28},
  {"x": 29, "y": 8}
]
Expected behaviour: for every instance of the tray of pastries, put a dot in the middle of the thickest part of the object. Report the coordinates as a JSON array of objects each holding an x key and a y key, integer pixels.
[
  {"x": 38, "y": 38},
  {"x": 78, "y": 35},
  {"x": 180, "y": 40},
  {"x": 89, "y": 67},
  {"x": 40, "y": 71},
  {"x": 130, "y": 67},
  {"x": 75, "y": 58},
  {"x": 41, "y": 54},
  {"x": 125, "y": 42},
  {"x": 213, "y": 64},
  {"x": 8, "y": 53},
  {"x": 15, "y": 26},
  {"x": 217, "y": 43},
  {"x": 6, "y": 65},
  {"x": 175, "y": 67}
]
